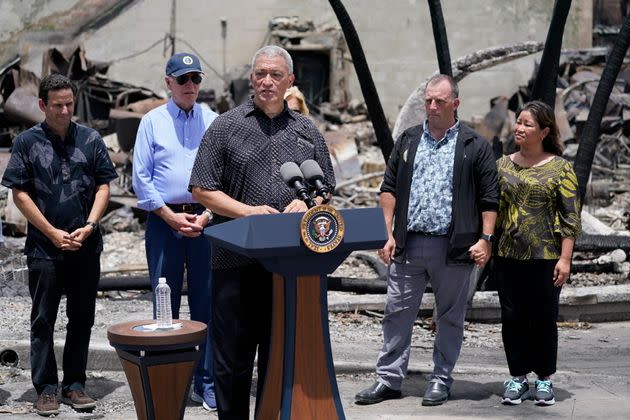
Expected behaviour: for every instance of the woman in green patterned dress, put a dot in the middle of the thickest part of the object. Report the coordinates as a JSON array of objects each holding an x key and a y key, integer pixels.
[{"x": 537, "y": 225}]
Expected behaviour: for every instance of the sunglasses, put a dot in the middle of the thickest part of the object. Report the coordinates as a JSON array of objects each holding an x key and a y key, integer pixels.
[{"x": 183, "y": 79}]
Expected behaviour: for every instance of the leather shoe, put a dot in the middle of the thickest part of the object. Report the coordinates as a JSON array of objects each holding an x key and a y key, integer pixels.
[
  {"x": 376, "y": 393},
  {"x": 436, "y": 394},
  {"x": 78, "y": 399},
  {"x": 47, "y": 404}
]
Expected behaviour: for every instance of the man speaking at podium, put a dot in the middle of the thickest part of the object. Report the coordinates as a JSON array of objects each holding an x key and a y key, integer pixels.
[{"x": 236, "y": 174}]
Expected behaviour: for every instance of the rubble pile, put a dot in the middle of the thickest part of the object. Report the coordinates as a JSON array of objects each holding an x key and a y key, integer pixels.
[
  {"x": 115, "y": 109},
  {"x": 96, "y": 97},
  {"x": 359, "y": 179}
]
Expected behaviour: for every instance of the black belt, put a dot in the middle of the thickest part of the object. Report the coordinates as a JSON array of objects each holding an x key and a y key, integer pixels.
[
  {"x": 190, "y": 208},
  {"x": 429, "y": 234}
]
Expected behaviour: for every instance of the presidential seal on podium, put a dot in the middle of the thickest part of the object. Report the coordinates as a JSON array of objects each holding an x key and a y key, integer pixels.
[{"x": 322, "y": 228}]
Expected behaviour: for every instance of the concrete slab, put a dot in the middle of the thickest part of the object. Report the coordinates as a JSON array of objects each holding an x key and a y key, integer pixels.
[
  {"x": 593, "y": 380},
  {"x": 474, "y": 396}
]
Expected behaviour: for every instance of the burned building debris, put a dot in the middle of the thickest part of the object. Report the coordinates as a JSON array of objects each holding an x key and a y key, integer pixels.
[
  {"x": 320, "y": 58},
  {"x": 100, "y": 101},
  {"x": 323, "y": 67}
]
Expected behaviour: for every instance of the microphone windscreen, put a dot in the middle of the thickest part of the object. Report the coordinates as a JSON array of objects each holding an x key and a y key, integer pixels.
[
  {"x": 311, "y": 170},
  {"x": 290, "y": 172}
]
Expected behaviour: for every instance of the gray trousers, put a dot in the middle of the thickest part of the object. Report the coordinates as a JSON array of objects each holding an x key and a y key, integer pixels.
[{"x": 425, "y": 261}]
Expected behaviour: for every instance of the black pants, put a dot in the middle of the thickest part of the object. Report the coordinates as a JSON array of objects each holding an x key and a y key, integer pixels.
[
  {"x": 77, "y": 276},
  {"x": 241, "y": 324},
  {"x": 529, "y": 311}
]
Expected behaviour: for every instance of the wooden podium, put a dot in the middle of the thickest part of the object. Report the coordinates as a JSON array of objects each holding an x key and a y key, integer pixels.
[
  {"x": 159, "y": 365},
  {"x": 300, "y": 382}
]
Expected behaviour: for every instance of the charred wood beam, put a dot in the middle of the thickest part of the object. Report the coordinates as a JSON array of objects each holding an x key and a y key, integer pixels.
[
  {"x": 357, "y": 285},
  {"x": 376, "y": 264},
  {"x": 124, "y": 283},
  {"x": 370, "y": 95},
  {"x": 439, "y": 35},
  {"x": 592, "y": 267},
  {"x": 489, "y": 57},
  {"x": 362, "y": 285},
  {"x": 546, "y": 79},
  {"x": 603, "y": 243},
  {"x": 590, "y": 133}
]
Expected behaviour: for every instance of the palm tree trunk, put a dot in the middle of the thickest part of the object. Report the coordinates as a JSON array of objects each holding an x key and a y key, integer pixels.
[
  {"x": 546, "y": 79},
  {"x": 590, "y": 134},
  {"x": 370, "y": 95},
  {"x": 439, "y": 35}
]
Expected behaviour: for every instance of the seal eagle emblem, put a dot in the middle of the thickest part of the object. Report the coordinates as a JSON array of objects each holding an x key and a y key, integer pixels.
[{"x": 322, "y": 228}]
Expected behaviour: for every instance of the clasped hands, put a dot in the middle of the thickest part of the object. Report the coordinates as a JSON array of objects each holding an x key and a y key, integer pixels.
[
  {"x": 71, "y": 241},
  {"x": 189, "y": 225}
]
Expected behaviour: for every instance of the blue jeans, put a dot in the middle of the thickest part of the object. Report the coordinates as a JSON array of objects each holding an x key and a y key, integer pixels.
[
  {"x": 77, "y": 276},
  {"x": 168, "y": 253}
]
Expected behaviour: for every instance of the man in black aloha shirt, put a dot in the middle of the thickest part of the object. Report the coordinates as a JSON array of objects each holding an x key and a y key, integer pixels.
[
  {"x": 59, "y": 173},
  {"x": 237, "y": 174}
]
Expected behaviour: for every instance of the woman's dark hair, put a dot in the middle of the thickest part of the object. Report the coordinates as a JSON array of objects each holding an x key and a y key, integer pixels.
[
  {"x": 55, "y": 82},
  {"x": 544, "y": 116}
]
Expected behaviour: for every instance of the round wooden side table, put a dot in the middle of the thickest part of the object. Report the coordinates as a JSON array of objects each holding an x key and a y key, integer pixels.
[{"x": 159, "y": 364}]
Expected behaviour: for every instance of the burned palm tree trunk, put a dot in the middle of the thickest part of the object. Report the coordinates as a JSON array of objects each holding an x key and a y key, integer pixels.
[
  {"x": 439, "y": 35},
  {"x": 375, "y": 109},
  {"x": 590, "y": 134},
  {"x": 547, "y": 77}
]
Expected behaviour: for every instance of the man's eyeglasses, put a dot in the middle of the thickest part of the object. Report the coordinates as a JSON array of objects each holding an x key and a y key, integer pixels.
[{"x": 183, "y": 79}]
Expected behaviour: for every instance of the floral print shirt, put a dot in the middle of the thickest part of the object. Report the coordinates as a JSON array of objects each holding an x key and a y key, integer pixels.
[{"x": 431, "y": 195}]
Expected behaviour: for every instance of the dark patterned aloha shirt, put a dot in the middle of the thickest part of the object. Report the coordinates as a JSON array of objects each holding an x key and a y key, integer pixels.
[
  {"x": 538, "y": 206},
  {"x": 241, "y": 154},
  {"x": 61, "y": 177},
  {"x": 431, "y": 194}
]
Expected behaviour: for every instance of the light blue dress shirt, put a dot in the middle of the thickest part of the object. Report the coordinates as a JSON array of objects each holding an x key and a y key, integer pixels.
[
  {"x": 431, "y": 195},
  {"x": 164, "y": 154}
]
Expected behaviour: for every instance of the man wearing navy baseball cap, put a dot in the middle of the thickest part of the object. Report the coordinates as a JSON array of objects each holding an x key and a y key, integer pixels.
[
  {"x": 183, "y": 63},
  {"x": 165, "y": 150}
]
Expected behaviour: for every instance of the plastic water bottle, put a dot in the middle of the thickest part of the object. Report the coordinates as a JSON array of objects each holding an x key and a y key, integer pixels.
[{"x": 163, "y": 312}]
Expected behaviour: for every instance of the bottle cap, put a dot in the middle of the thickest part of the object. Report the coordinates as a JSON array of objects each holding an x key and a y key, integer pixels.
[{"x": 162, "y": 280}]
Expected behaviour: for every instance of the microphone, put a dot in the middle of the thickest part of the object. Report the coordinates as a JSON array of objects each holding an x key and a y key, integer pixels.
[
  {"x": 291, "y": 174},
  {"x": 315, "y": 179}
]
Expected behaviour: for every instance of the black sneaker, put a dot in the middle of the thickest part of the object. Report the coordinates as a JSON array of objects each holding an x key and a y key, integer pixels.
[
  {"x": 544, "y": 393},
  {"x": 516, "y": 392}
]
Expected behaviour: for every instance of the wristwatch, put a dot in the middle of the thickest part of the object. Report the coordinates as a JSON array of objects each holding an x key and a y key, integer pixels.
[
  {"x": 94, "y": 225},
  {"x": 488, "y": 237},
  {"x": 209, "y": 214}
]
